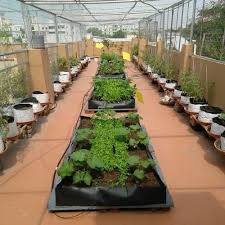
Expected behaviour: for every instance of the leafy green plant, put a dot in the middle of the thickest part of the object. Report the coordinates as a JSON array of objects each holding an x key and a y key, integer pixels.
[
  {"x": 95, "y": 163},
  {"x": 222, "y": 116},
  {"x": 85, "y": 134},
  {"x": 133, "y": 161},
  {"x": 80, "y": 157},
  {"x": 63, "y": 64},
  {"x": 170, "y": 71},
  {"x": 190, "y": 84},
  {"x": 147, "y": 164},
  {"x": 73, "y": 61},
  {"x": 135, "y": 127},
  {"x": 139, "y": 174},
  {"x": 135, "y": 50},
  {"x": 66, "y": 170},
  {"x": 112, "y": 90},
  {"x": 82, "y": 177}
]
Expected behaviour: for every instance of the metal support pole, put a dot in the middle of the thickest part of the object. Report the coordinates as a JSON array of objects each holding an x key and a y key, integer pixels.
[
  {"x": 56, "y": 29},
  {"x": 193, "y": 20},
  {"x": 171, "y": 28},
  {"x": 181, "y": 25},
  {"x": 27, "y": 24},
  {"x": 163, "y": 26},
  {"x": 71, "y": 31}
]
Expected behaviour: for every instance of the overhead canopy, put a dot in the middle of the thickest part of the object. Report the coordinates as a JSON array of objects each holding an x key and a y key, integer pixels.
[{"x": 102, "y": 12}]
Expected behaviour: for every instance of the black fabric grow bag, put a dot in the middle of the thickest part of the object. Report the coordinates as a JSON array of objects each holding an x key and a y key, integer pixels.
[
  {"x": 109, "y": 196},
  {"x": 96, "y": 104},
  {"x": 211, "y": 109},
  {"x": 219, "y": 121}
]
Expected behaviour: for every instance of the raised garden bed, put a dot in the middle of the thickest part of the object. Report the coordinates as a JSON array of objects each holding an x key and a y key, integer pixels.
[
  {"x": 117, "y": 169},
  {"x": 114, "y": 94}
]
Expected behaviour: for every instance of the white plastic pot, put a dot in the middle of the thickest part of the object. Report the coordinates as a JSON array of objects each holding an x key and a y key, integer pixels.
[
  {"x": 185, "y": 100},
  {"x": 155, "y": 76},
  {"x": 64, "y": 77},
  {"x": 23, "y": 113},
  {"x": 145, "y": 67},
  {"x": 43, "y": 98},
  {"x": 217, "y": 129},
  {"x": 195, "y": 108},
  {"x": 34, "y": 102},
  {"x": 177, "y": 93},
  {"x": 149, "y": 69},
  {"x": 2, "y": 145},
  {"x": 170, "y": 85},
  {"x": 161, "y": 80},
  {"x": 12, "y": 127},
  {"x": 57, "y": 87},
  {"x": 206, "y": 117},
  {"x": 222, "y": 141}
]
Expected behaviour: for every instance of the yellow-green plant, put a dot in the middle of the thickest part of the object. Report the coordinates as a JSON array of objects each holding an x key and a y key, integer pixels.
[
  {"x": 135, "y": 49},
  {"x": 63, "y": 64}
]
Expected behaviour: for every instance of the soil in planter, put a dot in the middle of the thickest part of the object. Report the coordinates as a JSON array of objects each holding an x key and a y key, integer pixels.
[
  {"x": 37, "y": 92},
  {"x": 183, "y": 94},
  {"x": 178, "y": 87},
  {"x": 139, "y": 152},
  {"x": 197, "y": 101},
  {"x": 22, "y": 106},
  {"x": 211, "y": 109},
  {"x": 219, "y": 121},
  {"x": 85, "y": 123},
  {"x": 171, "y": 81},
  {"x": 30, "y": 99},
  {"x": 9, "y": 119}
]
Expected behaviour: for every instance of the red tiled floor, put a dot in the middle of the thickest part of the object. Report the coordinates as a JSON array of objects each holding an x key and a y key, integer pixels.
[{"x": 195, "y": 173}]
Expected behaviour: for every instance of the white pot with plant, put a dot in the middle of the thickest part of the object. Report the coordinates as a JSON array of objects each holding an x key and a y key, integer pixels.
[
  {"x": 64, "y": 77},
  {"x": 42, "y": 97},
  {"x": 73, "y": 63},
  {"x": 12, "y": 127},
  {"x": 171, "y": 76},
  {"x": 3, "y": 133},
  {"x": 222, "y": 141},
  {"x": 161, "y": 79},
  {"x": 36, "y": 105},
  {"x": 218, "y": 125},
  {"x": 207, "y": 113},
  {"x": 23, "y": 113},
  {"x": 184, "y": 98},
  {"x": 57, "y": 87}
]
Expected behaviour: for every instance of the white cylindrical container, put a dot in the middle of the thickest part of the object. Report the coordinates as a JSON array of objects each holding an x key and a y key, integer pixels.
[
  {"x": 12, "y": 127},
  {"x": 222, "y": 141},
  {"x": 23, "y": 113},
  {"x": 170, "y": 84},
  {"x": 64, "y": 77},
  {"x": 57, "y": 87},
  {"x": 155, "y": 76},
  {"x": 161, "y": 80},
  {"x": 185, "y": 100},
  {"x": 207, "y": 113},
  {"x": 2, "y": 145},
  {"x": 217, "y": 126},
  {"x": 177, "y": 92},
  {"x": 149, "y": 69},
  {"x": 34, "y": 102},
  {"x": 43, "y": 98}
]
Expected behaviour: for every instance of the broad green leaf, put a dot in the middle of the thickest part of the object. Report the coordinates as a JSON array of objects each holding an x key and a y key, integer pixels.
[
  {"x": 79, "y": 156},
  {"x": 133, "y": 160},
  {"x": 65, "y": 170},
  {"x": 139, "y": 174}
]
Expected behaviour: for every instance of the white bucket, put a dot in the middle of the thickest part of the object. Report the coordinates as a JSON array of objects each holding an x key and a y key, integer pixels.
[
  {"x": 206, "y": 117},
  {"x": 222, "y": 140},
  {"x": 42, "y": 98},
  {"x": 23, "y": 115},
  {"x": 57, "y": 87},
  {"x": 185, "y": 100}
]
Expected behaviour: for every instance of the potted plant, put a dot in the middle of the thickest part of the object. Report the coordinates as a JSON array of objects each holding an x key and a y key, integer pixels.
[
  {"x": 218, "y": 125},
  {"x": 42, "y": 97},
  {"x": 112, "y": 93},
  {"x": 207, "y": 113},
  {"x": 74, "y": 65},
  {"x": 12, "y": 129},
  {"x": 23, "y": 113},
  {"x": 170, "y": 76},
  {"x": 36, "y": 105},
  {"x": 63, "y": 66},
  {"x": 58, "y": 88},
  {"x": 134, "y": 52},
  {"x": 3, "y": 133}
]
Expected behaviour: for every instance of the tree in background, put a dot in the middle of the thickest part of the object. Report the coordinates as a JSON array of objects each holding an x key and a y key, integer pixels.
[
  {"x": 209, "y": 31},
  {"x": 95, "y": 31},
  {"x": 5, "y": 34},
  {"x": 119, "y": 34}
]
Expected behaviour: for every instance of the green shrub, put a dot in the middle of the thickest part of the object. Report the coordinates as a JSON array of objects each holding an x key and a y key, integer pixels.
[
  {"x": 73, "y": 61},
  {"x": 62, "y": 63}
]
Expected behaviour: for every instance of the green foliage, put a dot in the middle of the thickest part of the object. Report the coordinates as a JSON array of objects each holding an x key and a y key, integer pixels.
[
  {"x": 135, "y": 50},
  {"x": 119, "y": 34},
  {"x": 135, "y": 127},
  {"x": 106, "y": 43},
  {"x": 82, "y": 177},
  {"x": 5, "y": 34},
  {"x": 191, "y": 85},
  {"x": 113, "y": 90},
  {"x": 133, "y": 161},
  {"x": 170, "y": 71},
  {"x": 63, "y": 64},
  {"x": 111, "y": 64},
  {"x": 85, "y": 134},
  {"x": 121, "y": 134},
  {"x": 95, "y": 31},
  {"x": 65, "y": 170},
  {"x": 13, "y": 85},
  {"x": 95, "y": 163},
  {"x": 139, "y": 174},
  {"x": 132, "y": 117},
  {"x": 147, "y": 164},
  {"x": 80, "y": 157},
  {"x": 143, "y": 138},
  {"x": 222, "y": 116},
  {"x": 73, "y": 61}
]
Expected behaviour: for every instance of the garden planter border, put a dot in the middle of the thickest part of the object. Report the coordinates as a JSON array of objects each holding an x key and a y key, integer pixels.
[
  {"x": 52, "y": 207},
  {"x": 87, "y": 109}
]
